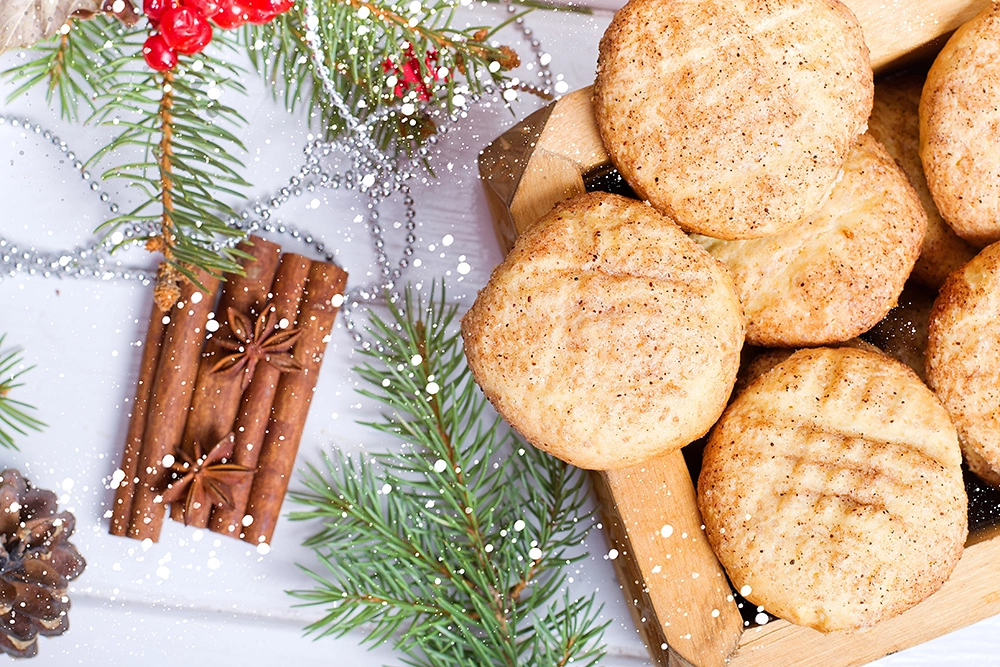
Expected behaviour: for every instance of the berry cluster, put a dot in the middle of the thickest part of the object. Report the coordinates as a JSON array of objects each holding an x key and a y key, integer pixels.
[
  {"x": 408, "y": 74},
  {"x": 185, "y": 26}
]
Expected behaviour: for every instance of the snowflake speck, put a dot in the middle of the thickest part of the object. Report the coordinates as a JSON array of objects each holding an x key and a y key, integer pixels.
[{"x": 519, "y": 525}]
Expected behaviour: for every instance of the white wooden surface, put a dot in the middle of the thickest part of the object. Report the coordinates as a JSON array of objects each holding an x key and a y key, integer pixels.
[{"x": 195, "y": 596}]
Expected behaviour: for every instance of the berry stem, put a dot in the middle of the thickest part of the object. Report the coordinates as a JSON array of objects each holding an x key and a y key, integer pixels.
[{"x": 166, "y": 152}]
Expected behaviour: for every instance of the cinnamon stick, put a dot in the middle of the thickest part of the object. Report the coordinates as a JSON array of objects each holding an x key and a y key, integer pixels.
[
  {"x": 170, "y": 400},
  {"x": 121, "y": 511},
  {"x": 291, "y": 402},
  {"x": 217, "y": 395},
  {"x": 255, "y": 411}
]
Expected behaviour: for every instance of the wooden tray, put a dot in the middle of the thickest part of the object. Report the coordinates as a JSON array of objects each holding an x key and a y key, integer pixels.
[{"x": 679, "y": 596}]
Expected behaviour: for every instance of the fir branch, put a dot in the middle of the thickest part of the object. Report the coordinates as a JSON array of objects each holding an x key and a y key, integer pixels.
[
  {"x": 382, "y": 56},
  {"x": 180, "y": 155},
  {"x": 69, "y": 64},
  {"x": 13, "y": 413},
  {"x": 453, "y": 547}
]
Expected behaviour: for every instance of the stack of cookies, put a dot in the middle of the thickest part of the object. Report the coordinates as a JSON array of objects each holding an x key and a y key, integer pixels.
[{"x": 784, "y": 205}]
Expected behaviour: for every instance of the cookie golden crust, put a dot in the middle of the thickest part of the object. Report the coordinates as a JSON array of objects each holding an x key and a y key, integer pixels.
[
  {"x": 960, "y": 129},
  {"x": 895, "y": 122},
  {"x": 963, "y": 353},
  {"x": 733, "y": 118},
  {"x": 832, "y": 488},
  {"x": 607, "y": 336},
  {"x": 838, "y": 273}
]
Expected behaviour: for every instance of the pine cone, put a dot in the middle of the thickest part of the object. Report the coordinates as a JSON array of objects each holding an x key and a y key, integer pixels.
[{"x": 36, "y": 563}]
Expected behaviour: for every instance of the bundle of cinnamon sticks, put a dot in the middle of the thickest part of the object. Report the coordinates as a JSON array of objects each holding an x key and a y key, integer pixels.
[{"x": 225, "y": 384}]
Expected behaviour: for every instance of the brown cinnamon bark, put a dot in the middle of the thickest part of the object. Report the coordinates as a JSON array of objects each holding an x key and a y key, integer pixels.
[
  {"x": 170, "y": 400},
  {"x": 217, "y": 395},
  {"x": 255, "y": 411},
  {"x": 121, "y": 512},
  {"x": 291, "y": 402}
]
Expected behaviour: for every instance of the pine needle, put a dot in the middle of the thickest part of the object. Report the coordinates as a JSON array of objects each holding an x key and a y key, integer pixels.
[
  {"x": 14, "y": 414},
  {"x": 453, "y": 547}
]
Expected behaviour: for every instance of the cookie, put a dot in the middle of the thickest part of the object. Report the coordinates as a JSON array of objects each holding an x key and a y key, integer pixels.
[
  {"x": 960, "y": 129},
  {"x": 838, "y": 273},
  {"x": 831, "y": 490},
  {"x": 733, "y": 118},
  {"x": 607, "y": 336},
  {"x": 963, "y": 358},
  {"x": 895, "y": 122}
]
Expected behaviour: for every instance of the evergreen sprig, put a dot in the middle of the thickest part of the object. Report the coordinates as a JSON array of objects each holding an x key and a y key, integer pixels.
[
  {"x": 184, "y": 153},
  {"x": 14, "y": 414},
  {"x": 383, "y": 55},
  {"x": 454, "y": 546}
]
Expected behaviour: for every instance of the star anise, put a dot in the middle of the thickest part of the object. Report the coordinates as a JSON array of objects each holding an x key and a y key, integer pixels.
[
  {"x": 262, "y": 341},
  {"x": 206, "y": 478}
]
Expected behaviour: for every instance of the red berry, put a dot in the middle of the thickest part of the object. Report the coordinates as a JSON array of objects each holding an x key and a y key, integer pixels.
[
  {"x": 185, "y": 30},
  {"x": 158, "y": 55},
  {"x": 153, "y": 9},
  {"x": 232, "y": 14},
  {"x": 264, "y": 11},
  {"x": 207, "y": 8}
]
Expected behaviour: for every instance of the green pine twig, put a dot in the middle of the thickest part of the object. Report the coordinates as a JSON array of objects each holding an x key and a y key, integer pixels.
[
  {"x": 14, "y": 414},
  {"x": 453, "y": 547}
]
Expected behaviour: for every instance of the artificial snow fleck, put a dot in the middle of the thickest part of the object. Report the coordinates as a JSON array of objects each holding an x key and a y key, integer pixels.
[
  {"x": 535, "y": 553},
  {"x": 433, "y": 388},
  {"x": 667, "y": 530},
  {"x": 168, "y": 460},
  {"x": 163, "y": 572},
  {"x": 64, "y": 30},
  {"x": 494, "y": 66},
  {"x": 715, "y": 613},
  {"x": 263, "y": 548},
  {"x": 407, "y": 109},
  {"x": 386, "y": 489},
  {"x": 694, "y": 575},
  {"x": 14, "y": 507},
  {"x": 464, "y": 268},
  {"x": 488, "y": 548},
  {"x": 613, "y": 554},
  {"x": 247, "y": 520},
  {"x": 415, "y": 6},
  {"x": 166, "y": 319},
  {"x": 213, "y": 93},
  {"x": 386, "y": 382},
  {"x": 118, "y": 6},
  {"x": 212, "y": 326},
  {"x": 337, "y": 300},
  {"x": 545, "y": 59},
  {"x": 117, "y": 477},
  {"x": 656, "y": 569},
  {"x": 364, "y": 13},
  {"x": 561, "y": 86},
  {"x": 761, "y": 619},
  {"x": 214, "y": 563},
  {"x": 416, "y": 360},
  {"x": 67, "y": 484},
  {"x": 440, "y": 465},
  {"x": 510, "y": 94},
  {"x": 312, "y": 22},
  {"x": 196, "y": 297},
  {"x": 429, "y": 504},
  {"x": 458, "y": 100},
  {"x": 447, "y": 240},
  {"x": 197, "y": 65},
  {"x": 117, "y": 238},
  {"x": 315, "y": 203},
  {"x": 519, "y": 525},
  {"x": 746, "y": 590},
  {"x": 147, "y": 544},
  {"x": 197, "y": 536}
]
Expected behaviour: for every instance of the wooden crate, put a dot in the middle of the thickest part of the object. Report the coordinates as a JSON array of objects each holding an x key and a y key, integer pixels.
[{"x": 679, "y": 596}]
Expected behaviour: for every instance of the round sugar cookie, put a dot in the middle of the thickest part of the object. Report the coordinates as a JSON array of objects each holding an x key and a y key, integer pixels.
[
  {"x": 733, "y": 118},
  {"x": 895, "y": 122},
  {"x": 838, "y": 273},
  {"x": 963, "y": 358},
  {"x": 960, "y": 129},
  {"x": 831, "y": 490},
  {"x": 607, "y": 336}
]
